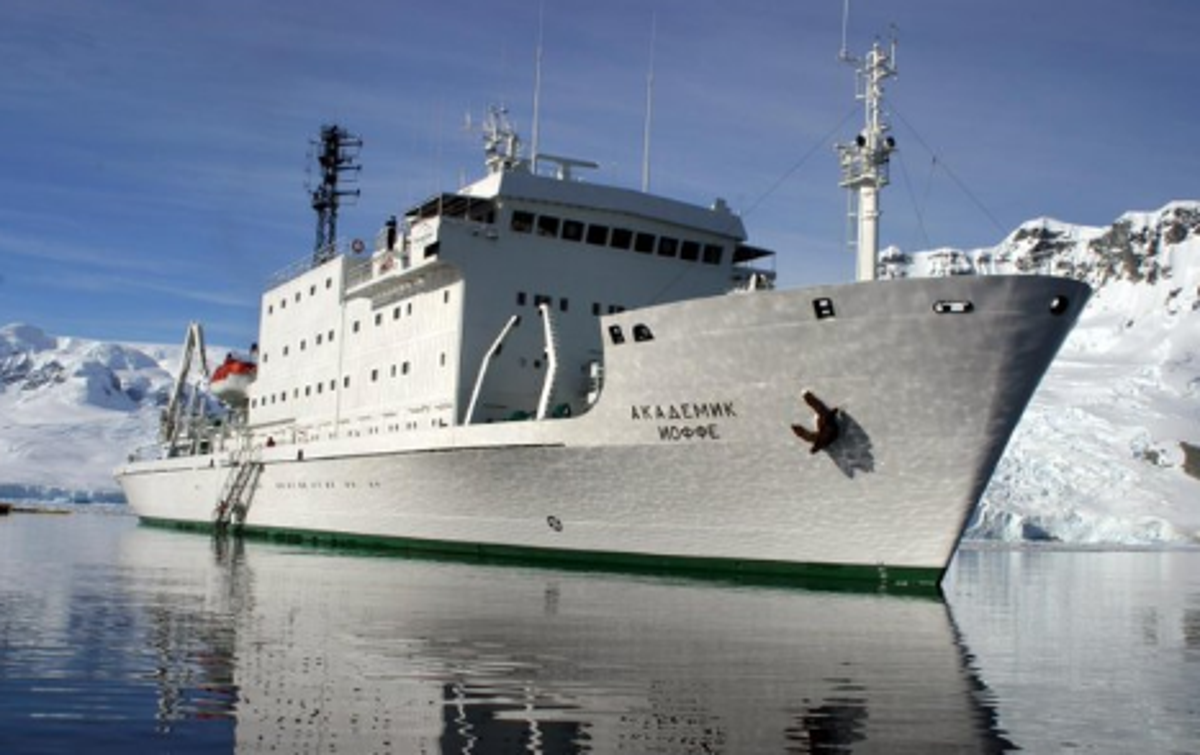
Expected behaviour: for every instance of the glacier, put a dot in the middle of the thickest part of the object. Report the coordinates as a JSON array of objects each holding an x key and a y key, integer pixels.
[{"x": 1108, "y": 452}]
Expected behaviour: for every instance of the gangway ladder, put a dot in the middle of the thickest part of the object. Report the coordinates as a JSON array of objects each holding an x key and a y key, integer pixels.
[{"x": 238, "y": 490}]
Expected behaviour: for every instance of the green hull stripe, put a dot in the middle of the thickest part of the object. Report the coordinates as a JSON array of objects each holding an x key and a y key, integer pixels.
[{"x": 819, "y": 576}]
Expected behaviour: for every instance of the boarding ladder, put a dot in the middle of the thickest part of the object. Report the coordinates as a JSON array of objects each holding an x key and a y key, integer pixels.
[{"x": 235, "y": 497}]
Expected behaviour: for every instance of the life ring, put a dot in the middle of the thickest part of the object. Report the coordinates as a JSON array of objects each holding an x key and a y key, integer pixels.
[{"x": 357, "y": 246}]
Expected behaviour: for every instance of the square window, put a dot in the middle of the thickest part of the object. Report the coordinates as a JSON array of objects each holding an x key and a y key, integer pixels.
[
  {"x": 668, "y": 247},
  {"x": 622, "y": 238},
  {"x": 572, "y": 230},
  {"x": 597, "y": 235},
  {"x": 522, "y": 222},
  {"x": 690, "y": 251},
  {"x": 644, "y": 243},
  {"x": 547, "y": 225}
]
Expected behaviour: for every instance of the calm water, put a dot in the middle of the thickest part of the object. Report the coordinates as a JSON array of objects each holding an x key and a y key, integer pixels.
[{"x": 118, "y": 638}]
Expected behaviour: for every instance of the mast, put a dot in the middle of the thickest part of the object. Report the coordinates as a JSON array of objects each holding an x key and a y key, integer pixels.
[
  {"x": 864, "y": 163},
  {"x": 337, "y": 154}
]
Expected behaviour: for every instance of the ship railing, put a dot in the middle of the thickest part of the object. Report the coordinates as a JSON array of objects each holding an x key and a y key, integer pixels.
[
  {"x": 300, "y": 266},
  {"x": 151, "y": 452}
]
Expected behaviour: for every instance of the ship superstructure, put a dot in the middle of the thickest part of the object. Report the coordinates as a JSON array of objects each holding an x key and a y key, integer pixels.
[{"x": 483, "y": 305}]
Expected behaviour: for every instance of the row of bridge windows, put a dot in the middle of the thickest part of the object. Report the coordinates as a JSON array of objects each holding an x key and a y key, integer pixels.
[{"x": 598, "y": 234}]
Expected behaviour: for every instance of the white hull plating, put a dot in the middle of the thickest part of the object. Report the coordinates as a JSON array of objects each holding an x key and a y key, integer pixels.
[{"x": 689, "y": 452}]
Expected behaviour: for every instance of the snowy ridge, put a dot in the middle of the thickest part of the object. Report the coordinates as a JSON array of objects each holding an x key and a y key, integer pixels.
[
  {"x": 71, "y": 409},
  {"x": 1109, "y": 450}
]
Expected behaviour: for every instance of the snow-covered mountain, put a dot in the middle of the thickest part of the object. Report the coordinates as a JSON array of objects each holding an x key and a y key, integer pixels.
[
  {"x": 71, "y": 409},
  {"x": 1108, "y": 452}
]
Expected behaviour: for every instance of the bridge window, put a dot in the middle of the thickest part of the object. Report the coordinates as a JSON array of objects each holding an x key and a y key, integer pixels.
[
  {"x": 547, "y": 225},
  {"x": 622, "y": 238},
  {"x": 668, "y": 247},
  {"x": 572, "y": 230},
  {"x": 644, "y": 243},
  {"x": 712, "y": 254},
  {"x": 690, "y": 251},
  {"x": 597, "y": 235},
  {"x": 522, "y": 222}
]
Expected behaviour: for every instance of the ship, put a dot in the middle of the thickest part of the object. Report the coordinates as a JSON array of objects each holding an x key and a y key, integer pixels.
[{"x": 540, "y": 367}]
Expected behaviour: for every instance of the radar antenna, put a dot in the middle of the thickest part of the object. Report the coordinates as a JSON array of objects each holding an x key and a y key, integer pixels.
[
  {"x": 337, "y": 154},
  {"x": 864, "y": 162},
  {"x": 501, "y": 145}
]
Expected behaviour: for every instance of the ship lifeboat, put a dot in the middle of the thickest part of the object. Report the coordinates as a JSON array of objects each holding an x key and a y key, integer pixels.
[{"x": 231, "y": 380}]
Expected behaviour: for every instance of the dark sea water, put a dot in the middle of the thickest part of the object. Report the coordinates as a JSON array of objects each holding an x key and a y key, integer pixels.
[{"x": 116, "y": 638}]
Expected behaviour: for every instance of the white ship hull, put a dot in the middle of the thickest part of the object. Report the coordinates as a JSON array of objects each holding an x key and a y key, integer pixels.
[{"x": 689, "y": 457}]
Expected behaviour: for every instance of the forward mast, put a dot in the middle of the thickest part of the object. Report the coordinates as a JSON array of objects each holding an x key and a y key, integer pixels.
[{"x": 864, "y": 162}]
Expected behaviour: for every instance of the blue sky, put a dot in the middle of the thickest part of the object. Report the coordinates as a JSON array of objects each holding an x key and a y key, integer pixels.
[{"x": 154, "y": 153}]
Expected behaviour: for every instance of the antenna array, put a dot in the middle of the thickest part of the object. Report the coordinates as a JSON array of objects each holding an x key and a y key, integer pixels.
[{"x": 337, "y": 159}]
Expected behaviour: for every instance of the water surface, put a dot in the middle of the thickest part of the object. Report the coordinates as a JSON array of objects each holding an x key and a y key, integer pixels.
[{"x": 115, "y": 637}]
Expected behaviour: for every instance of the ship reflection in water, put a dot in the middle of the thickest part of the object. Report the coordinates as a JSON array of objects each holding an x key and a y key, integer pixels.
[{"x": 313, "y": 651}]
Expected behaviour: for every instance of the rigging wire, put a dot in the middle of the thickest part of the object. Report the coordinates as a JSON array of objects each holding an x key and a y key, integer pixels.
[
  {"x": 953, "y": 176},
  {"x": 799, "y": 163},
  {"x": 917, "y": 209}
]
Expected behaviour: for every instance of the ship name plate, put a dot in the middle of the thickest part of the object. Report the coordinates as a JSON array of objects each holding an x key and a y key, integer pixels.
[{"x": 687, "y": 420}]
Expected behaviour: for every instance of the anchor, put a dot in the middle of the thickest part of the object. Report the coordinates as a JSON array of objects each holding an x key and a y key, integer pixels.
[{"x": 826, "y": 422}]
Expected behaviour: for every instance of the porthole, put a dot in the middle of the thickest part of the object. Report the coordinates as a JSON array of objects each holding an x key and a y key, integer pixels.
[{"x": 1059, "y": 305}]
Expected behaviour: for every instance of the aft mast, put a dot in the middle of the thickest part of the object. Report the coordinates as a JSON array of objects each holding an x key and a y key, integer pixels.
[
  {"x": 337, "y": 154},
  {"x": 865, "y": 162}
]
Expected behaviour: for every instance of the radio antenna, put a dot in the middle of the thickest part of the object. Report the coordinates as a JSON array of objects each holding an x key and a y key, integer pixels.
[
  {"x": 649, "y": 105},
  {"x": 537, "y": 88},
  {"x": 844, "y": 54}
]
